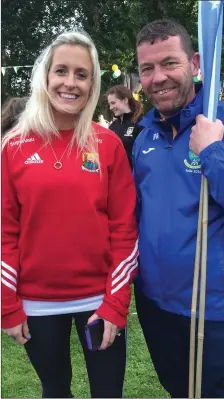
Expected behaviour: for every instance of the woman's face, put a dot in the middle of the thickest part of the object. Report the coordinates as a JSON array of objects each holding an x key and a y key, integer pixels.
[
  {"x": 69, "y": 79},
  {"x": 117, "y": 106}
]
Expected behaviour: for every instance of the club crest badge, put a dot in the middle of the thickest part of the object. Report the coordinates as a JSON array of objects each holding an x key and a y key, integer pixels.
[
  {"x": 89, "y": 163},
  {"x": 129, "y": 132},
  {"x": 194, "y": 163}
]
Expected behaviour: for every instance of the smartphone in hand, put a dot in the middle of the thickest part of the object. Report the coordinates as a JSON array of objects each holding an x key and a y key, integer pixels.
[{"x": 94, "y": 334}]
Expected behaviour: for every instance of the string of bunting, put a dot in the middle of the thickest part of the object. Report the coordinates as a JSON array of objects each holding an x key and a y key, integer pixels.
[
  {"x": 15, "y": 67},
  {"x": 115, "y": 69}
]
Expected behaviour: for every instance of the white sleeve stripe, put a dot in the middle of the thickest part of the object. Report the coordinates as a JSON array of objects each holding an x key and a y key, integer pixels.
[
  {"x": 9, "y": 268},
  {"x": 124, "y": 281},
  {"x": 8, "y": 284},
  {"x": 9, "y": 276},
  {"x": 124, "y": 271},
  {"x": 119, "y": 267}
]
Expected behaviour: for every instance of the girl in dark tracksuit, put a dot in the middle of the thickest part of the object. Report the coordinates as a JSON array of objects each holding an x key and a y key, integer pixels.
[{"x": 127, "y": 112}]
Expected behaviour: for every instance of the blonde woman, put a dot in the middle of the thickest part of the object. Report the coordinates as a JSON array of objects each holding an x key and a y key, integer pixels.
[{"x": 69, "y": 248}]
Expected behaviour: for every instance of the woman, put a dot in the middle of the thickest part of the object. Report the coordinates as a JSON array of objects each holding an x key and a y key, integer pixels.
[
  {"x": 69, "y": 235},
  {"x": 11, "y": 111},
  {"x": 128, "y": 112}
]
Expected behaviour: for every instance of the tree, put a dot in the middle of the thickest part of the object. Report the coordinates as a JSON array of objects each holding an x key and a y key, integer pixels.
[{"x": 29, "y": 25}]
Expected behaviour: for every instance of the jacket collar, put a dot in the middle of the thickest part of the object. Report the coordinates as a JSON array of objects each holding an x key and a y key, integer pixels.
[
  {"x": 126, "y": 116},
  {"x": 182, "y": 119}
]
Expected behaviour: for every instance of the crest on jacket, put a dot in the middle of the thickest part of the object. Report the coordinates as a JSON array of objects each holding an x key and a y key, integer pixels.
[
  {"x": 89, "y": 162},
  {"x": 194, "y": 162},
  {"x": 129, "y": 132}
]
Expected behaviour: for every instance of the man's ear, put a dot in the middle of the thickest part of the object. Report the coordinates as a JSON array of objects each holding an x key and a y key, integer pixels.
[{"x": 195, "y": 64}]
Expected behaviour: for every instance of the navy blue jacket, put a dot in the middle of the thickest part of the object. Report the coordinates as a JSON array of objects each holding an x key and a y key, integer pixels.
[{"x": 168, "y": 179}]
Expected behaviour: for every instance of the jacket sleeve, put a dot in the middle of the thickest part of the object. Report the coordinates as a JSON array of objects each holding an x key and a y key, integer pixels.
[
  {"x": 12, "y": 311},
  {"x": 212, "y": 163},
  {"x": 123, "y": 241}
]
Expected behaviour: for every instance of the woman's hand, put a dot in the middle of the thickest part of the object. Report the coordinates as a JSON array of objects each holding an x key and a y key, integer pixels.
[
  {"x": 19, "y": 333},
  {"x": 110, "y": 331}
]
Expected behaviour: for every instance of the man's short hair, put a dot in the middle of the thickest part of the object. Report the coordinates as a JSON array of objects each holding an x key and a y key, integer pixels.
[{"x": 162, "y": 29}]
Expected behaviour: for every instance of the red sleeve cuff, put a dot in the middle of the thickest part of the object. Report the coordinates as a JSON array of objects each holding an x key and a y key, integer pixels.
[
  {"x": 14, "y": 319},
  {"x": 108, "y": 313}
]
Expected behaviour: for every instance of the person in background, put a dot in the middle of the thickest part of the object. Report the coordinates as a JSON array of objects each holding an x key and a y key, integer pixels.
[
  {"x": 128, "y": 113},
  {"x": 176, "y": 146},
  {"x": 102, "y": 121},
  {"x": 11, "y": 110},
  {"x": 69, "y": 236}
]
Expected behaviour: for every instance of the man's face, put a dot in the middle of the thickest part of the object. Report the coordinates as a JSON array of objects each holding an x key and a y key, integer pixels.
[{"x": 166, "y": 74}]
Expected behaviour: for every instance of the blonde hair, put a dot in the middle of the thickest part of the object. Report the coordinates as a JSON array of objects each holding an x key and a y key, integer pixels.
[{"x": 38, "y": 117}]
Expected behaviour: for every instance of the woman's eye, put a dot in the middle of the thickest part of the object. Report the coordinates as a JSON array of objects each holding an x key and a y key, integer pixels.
[
  {"x": 81, "y": 76},
  {"x": 61, "y": 71}
]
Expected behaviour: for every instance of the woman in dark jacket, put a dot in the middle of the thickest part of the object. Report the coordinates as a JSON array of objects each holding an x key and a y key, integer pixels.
[{"x": 128, "y": 113}]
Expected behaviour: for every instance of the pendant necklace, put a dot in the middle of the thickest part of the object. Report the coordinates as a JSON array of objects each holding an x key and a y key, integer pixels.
[{"x": 58, "y": 163}]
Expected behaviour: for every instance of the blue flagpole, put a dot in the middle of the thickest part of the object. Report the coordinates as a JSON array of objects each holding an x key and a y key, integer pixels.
[{"x": 210, "y": 19}]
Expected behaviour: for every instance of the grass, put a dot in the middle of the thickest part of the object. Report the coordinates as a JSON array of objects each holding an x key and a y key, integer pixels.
[{"x": 19, "y": 379}]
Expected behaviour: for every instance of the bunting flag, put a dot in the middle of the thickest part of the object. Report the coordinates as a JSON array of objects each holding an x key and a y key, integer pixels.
[
  {"x": 210, "y": 19},
  {"x": 15, "y": 67}
]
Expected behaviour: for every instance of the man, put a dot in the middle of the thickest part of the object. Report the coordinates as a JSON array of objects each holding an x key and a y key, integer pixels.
[{"x": 177, "y": 145}]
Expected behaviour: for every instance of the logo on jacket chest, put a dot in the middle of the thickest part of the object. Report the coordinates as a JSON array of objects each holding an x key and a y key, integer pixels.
[
  {"x": 17, "y": 142},
  {"x": 35, "y": 158},
  {"x": 156, "y": 136},
  {"x": 89, "y": 163},
  {"x": 129, "y": 132},
  {"x": 193, "y": 162}
]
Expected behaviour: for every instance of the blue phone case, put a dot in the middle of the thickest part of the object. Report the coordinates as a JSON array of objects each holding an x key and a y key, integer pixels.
[{"x": 94, "y": 334}]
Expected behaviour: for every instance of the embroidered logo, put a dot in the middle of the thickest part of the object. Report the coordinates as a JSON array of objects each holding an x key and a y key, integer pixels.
[
  {"x": 34, "y": 159},
  {"x": 129, "y": 132},
  {"x": 17, "y": 142},
  {"x": 147, "y": 151},
  {"x": 156, "y": 136},
  {"x": 194, "y": 164},
  {"x": 89, "y": 163},
  {"x": 98, "y": 140}
]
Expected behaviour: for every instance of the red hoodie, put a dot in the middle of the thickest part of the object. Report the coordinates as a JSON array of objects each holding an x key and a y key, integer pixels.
[{"x": 70, "y": 233}]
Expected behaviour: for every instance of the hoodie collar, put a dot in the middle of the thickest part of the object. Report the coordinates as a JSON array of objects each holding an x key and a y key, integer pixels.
[{"x": 182, "y": 119}]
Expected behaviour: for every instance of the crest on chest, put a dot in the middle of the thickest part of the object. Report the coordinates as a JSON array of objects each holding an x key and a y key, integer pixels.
[
  {"x": 89, "y": 162},
  {"x": 129, "y": 132}
]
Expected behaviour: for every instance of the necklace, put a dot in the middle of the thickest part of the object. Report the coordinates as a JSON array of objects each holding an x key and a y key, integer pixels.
[{"x": 58, "y": 163}]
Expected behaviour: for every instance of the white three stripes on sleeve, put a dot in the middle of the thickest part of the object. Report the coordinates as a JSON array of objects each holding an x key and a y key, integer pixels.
[
  {"x": 10, "y": 274},
  {"x": 124, "y": 270},
  {"x": 133, "y": 254}
]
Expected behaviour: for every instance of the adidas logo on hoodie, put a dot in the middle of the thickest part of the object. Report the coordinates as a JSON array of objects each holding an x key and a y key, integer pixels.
[{"x": 34, "y": 159}]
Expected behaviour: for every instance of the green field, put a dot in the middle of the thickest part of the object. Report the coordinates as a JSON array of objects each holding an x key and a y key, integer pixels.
[{"x": 19, "y": 379}]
